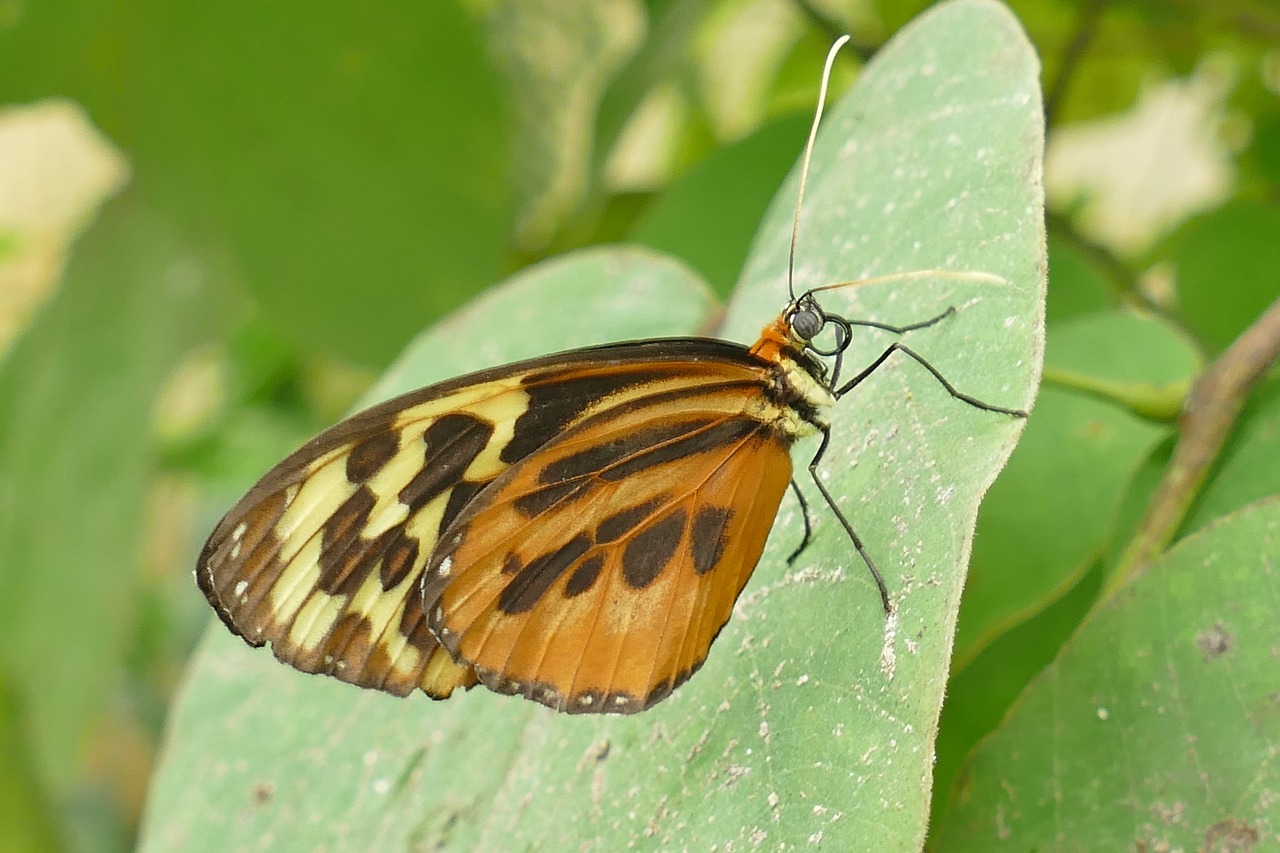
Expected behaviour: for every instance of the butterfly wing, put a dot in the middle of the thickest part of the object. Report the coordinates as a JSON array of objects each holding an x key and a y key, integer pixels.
[
  {"x": 320, "y": 558},
  {"x": 323, "y": 557},
  {"x": 594, "y": 576}
]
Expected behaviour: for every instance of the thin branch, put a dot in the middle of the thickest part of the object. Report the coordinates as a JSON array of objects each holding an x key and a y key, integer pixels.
[
  {"x": 1211, "y": 410},
  {"x": 1086, "y": 27}
]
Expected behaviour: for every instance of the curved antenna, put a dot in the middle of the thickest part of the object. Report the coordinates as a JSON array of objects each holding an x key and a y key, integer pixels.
[
  {"x": 915, "y": 275},
  {"x": 804, "y": 166}
]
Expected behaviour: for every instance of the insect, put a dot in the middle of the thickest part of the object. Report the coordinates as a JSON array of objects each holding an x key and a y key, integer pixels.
[{"x": 574, "y": 529}]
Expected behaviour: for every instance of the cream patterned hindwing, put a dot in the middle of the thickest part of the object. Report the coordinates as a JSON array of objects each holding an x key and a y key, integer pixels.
[{"x": 322, "y": 558}]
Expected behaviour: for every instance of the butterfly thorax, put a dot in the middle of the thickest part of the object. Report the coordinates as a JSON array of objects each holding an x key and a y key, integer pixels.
[{"x": 799, "y": 392}]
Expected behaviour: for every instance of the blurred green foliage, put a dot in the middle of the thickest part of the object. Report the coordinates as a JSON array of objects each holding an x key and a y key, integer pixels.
[{"x": 311, "y": 184}]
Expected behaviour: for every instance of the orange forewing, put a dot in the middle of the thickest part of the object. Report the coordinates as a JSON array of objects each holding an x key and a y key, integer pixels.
[{"x": 608, "y": 596}]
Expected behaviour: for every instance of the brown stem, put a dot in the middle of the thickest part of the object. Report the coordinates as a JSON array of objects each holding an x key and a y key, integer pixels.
[
  {"x": 1210, "y": 412},
  {"x": 834, "y": 29},
  {"x": 1071, "y": 56}
]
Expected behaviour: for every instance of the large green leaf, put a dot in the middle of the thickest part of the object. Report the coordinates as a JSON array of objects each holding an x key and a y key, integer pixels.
[
  {"x": 76, "y": 452},
  {"x": 1170, "y": 688},
  {"x": 1088, "y": 449},
  {"x": 326, "y": 150},
  {"x": 810, "y": 720}
]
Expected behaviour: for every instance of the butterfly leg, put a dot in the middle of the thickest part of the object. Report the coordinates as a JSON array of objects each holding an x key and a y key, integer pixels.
[
  {"x": 844, "y": 522},
  {"x": 808, "y": 528},
  {"x": 844, "y": 328},
  {"x": 951, "y": 389}
]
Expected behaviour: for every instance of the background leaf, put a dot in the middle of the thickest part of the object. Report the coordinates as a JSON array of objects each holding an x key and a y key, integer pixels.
[
  {"x": 315, "y": 147},
  {"x": 1185, "y": 703},
  {"x": 1231, "y": 243},
  {"x": 77, "y": 410},
  {"x": 1087, "y": 446}
]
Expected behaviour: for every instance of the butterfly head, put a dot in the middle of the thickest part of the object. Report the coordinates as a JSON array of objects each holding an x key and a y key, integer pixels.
[
  {"x": 817, "y": 334},
  {"x": 806, "y": 320}
]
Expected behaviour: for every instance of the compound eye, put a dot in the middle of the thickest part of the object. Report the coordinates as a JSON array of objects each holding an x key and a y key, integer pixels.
[{"x": 806, "y": 323}]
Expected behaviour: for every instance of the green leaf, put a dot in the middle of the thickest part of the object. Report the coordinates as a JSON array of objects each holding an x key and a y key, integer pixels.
[
  {"x": 708, "y": 216},
  {"x": 1056, "y": 503},
  {"x": 558, "y": 58},
  {"x": 76, "y": 455},
  {"x": 980, "y": 695},
  {"x": 808, "y": 718},
  {"x": 672, "y": 24},
  {"x": 1234, "y": 244},
  {"x": 351, "y": 165},
  {"x": 1170, "y": 688},
  {"x": 26, "y": 816}
]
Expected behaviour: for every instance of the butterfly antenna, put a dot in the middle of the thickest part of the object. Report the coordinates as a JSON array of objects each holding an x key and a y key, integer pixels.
[
  {"x": 916, "y": 275},
  {"x": 804, "y": 165}
]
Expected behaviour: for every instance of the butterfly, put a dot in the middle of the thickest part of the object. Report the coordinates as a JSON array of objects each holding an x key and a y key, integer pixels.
[{"x": 573, "y": 529}]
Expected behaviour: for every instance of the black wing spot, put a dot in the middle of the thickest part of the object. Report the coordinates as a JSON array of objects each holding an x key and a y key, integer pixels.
[
  {"x": 367, "y": 457},
  {"x": 584, "y": 576},
  {"x": 707, "y": 537},
  {"x": 635, "y": 451},
  {"x": 537, "y": 502},
  {"x": 400, "y": 555},
  {"x": 343, "y": 553},
  {"x": 621, "y": 523},
  {"x": 699, "y": 437},
  {"x": 650, "y": 550},
  {"x": 458, "y": 500},
  {"x": 414, "y": 625},
  {"x": 533, "y": 581},
  {"x": 558, "y": 397},
  {"x": 451, "y": 444}
]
